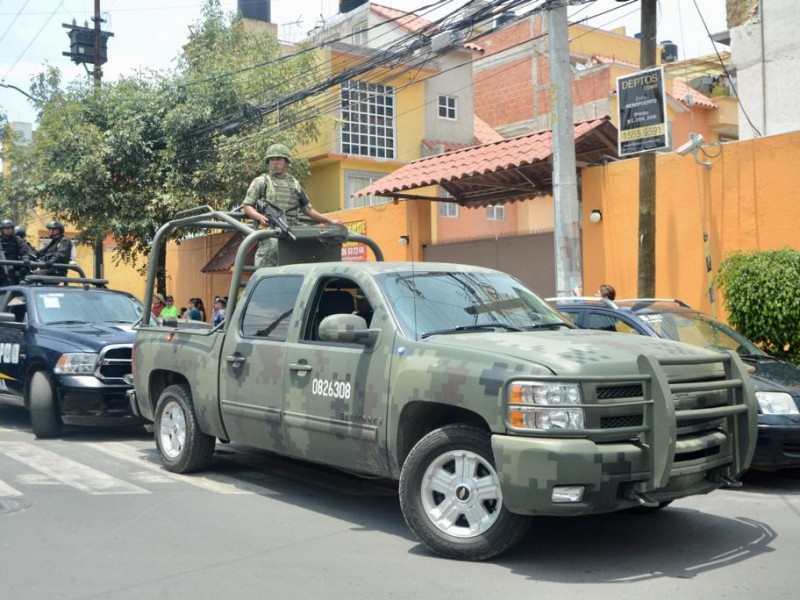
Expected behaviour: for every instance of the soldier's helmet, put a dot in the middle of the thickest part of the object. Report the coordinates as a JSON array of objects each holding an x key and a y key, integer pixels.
[
  {"x": 6, "y": 224},
  {"x": 279, "y": 151},
  {"x": 19, "y": 231},
  {"x": 56, "y": 225}
]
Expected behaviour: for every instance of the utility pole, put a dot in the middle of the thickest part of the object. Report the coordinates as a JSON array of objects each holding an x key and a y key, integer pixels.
[
  {"x": 567, "y": 235},
  {"x": 647, "y": 169},
  {"x": 88, "y": 46},
  {"x": 97, "y": 73}
]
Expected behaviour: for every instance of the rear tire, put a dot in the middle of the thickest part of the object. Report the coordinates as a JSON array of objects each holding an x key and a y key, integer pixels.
[
  {"x": 183, "y": 446},
  {"x": 43, "y": 406},
  {"x": 451, "y": 498}
]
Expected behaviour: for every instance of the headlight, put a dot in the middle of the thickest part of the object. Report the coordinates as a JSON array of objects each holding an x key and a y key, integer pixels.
[
  {"x": 76, "y": 364},
  {"x": 776, "y": 403},
  {"x": 544, "y": 406}
]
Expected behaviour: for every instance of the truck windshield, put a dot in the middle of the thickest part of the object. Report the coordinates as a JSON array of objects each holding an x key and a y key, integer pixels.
[
  {"x": 431, "y": 303},
  {"x": 86, "y": 307}
]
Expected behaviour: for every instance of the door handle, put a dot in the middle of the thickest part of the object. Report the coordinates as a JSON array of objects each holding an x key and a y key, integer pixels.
[
  {"x": 235, "y": 360},
  {"x": 300, "y": 367}
]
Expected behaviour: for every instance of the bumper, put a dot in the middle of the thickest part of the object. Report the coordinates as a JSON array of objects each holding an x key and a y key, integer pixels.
[
  {"x": 88, "y": 400},
  {"x": 777, "y": 447},
  {"x": 611, "y": 474}
]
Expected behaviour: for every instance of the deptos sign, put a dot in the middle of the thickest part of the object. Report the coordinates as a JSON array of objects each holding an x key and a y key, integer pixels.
[{"x": 642, "y": 112}]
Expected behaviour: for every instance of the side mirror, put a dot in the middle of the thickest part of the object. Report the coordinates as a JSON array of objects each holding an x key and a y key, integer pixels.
[{"x": 347, "y": 329}]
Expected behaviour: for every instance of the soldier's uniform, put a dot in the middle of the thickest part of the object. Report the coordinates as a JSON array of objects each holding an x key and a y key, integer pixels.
[
  {"x": 287, "y": 195},
  {"x": 13, "y": 248},
  {"x": 58, "y": 250}
]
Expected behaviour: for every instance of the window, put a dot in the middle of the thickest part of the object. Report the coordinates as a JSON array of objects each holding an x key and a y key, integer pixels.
[
  {"x": 496, "y": 212},
  {"x": 269, "y": 309},
  {"x": 447, "y": 107},
  {"x": 607, "y": 323},
  {"x": 357, "y": 180},
  {"x": 448, "y": 209},
  {"x": 360, "y": 35},
  {"x": 368, "y": 116}
]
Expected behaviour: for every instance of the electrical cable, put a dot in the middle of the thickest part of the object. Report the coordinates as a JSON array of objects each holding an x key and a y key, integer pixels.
[
  {"x": 35, "y": 37},
  {"x": 727, "y": 74}
]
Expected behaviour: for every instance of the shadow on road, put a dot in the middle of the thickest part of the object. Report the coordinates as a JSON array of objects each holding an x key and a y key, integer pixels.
[{"x": 624, "y": 547}]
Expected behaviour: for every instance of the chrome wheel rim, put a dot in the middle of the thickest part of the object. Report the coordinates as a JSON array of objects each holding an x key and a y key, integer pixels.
[
  {"x": 172, "y": 430},
  {"x": 461, "y": 494}
]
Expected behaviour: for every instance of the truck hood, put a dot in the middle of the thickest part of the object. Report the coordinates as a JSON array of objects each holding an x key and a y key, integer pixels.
[
  {"x": 573, "y": 351},
  {"x": 90, "y": 337}
]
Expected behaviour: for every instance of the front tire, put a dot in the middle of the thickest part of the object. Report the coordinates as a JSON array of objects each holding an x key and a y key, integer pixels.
[
  {"x": 43, "y": 406},
  {"x": 182, "y": 445},
  {"x": 451, "y": 498}
]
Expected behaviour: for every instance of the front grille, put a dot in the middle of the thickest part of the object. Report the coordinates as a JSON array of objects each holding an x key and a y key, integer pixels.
[
  {"x": 114, "y": 363},
  {"x": 619, "y": 391},
  {"x": 618, "y": 422}
]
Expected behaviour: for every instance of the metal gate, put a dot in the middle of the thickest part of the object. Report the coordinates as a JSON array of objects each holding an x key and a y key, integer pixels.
[{"x": 530, "y": 257}]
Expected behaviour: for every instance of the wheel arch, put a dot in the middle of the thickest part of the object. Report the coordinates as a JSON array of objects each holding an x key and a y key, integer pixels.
[
  {"x": 33, "y": 368},
  {"x": 418, "y": 419},
  {"x": 161, "y": 379}
]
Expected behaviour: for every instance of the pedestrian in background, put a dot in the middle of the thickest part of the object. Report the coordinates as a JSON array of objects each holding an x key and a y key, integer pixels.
[
  {"x": 169, "y": 310},
  {"x": 220, "y": 304},
  {"x": 607, "y": 291},
  {"x": 193, "y": 311},
  {"x": 158, "y": 304}
]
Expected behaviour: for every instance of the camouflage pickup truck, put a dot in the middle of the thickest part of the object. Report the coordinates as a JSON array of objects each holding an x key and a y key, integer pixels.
[{"x": 457, "y": 381}]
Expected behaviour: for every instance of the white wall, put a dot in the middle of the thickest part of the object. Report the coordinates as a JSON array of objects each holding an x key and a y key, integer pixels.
[{"x": 767, "y": 58}]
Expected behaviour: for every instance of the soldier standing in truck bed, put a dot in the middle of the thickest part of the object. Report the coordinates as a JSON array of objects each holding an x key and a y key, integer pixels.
[
  {"x": 12, "y": 248},
  {"x": 282, "y": 190},
  {"x": 57, "y": 251}
]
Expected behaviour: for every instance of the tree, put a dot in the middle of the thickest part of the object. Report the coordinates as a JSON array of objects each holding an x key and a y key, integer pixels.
[{"x": 122, "y": 160}]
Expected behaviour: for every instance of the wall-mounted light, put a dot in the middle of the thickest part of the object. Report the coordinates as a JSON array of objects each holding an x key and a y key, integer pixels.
[
  {"x": 596, "y": 216},
  {"x": 403, "y": 241}
]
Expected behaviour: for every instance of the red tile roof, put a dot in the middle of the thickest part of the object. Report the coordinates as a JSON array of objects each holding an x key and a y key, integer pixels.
[
  {"x": 501, "y": 171},
  {"x": 409, "y": 21},
  {"x": 483, "y": 132},
  {"x": 680, "y": 89}
]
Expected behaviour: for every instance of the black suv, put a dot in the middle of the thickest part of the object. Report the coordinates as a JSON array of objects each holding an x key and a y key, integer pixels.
[
  {"x": 65, "y": 351},
  {"x": 777, "y": 383}
]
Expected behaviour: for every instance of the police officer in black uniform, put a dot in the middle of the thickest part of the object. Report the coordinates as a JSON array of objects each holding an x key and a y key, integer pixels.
[
  {"x": 20, "y": 232},
  {"x": 57, "y": 251},
  {"x": 12, "y": 248}
]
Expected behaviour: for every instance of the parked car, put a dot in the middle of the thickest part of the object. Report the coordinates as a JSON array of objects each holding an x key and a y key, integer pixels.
[{"x": 777, "y": 382}]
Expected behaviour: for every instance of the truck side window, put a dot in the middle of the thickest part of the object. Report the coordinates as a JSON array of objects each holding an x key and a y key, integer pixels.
[
  {"x": 16, "y": 305},
  {"x": 270, "y": 307}
]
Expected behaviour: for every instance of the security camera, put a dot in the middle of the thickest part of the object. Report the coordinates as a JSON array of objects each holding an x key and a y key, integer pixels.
[{"x": 693, "y": 143}]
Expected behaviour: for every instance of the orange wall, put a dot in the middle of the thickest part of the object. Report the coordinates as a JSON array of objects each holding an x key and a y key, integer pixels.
[{"x": 745, "y": 201}]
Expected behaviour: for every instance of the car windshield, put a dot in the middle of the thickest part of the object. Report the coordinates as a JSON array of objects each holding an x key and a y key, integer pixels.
[
  {"x": 431, "y": 303},
  {"x": 698, "y": 329},
  {"x": 54, "y": 307}
]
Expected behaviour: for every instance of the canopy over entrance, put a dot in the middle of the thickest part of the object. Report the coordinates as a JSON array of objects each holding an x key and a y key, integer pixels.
[{"x": 518, "y": 168}]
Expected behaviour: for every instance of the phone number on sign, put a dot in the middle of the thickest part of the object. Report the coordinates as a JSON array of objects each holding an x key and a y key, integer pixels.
[{"x": 331, "y": 389}]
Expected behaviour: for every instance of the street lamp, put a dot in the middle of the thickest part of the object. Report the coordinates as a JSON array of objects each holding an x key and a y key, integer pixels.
[{"x": 21, "y": 91}]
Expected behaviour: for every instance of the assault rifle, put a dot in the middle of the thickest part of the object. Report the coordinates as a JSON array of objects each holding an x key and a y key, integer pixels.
[{"x": 275, "y": 217}]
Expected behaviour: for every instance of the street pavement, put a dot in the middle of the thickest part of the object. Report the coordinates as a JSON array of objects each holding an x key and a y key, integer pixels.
[{"x": 93, "y": 515}]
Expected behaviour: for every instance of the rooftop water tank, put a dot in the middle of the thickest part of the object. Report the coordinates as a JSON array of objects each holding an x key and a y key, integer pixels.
[{"x": 669, "y": 51}]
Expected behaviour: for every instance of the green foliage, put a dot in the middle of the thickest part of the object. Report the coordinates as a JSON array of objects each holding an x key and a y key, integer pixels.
[
  {"x": 762, "y": 295},
  {"x": 123, "y": 158}
]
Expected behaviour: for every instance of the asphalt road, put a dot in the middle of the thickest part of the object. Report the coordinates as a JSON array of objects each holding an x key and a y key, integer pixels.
[{"x": 92, "y": 515}]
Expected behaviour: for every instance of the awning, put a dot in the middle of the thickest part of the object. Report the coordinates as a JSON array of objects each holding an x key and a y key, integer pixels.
[
  {"x": 223, "y": 260},
  {"x": 504, "y": 171}
]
